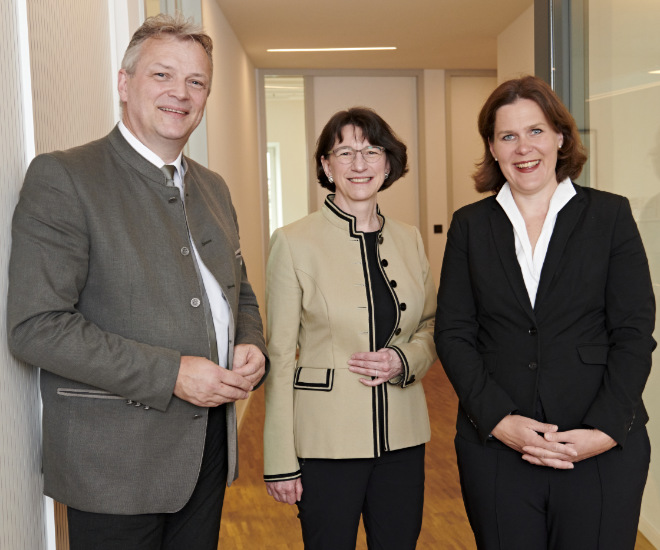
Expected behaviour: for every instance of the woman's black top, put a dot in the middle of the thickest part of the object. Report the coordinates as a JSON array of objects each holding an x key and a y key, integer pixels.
[{"x": 384, "y": 305}]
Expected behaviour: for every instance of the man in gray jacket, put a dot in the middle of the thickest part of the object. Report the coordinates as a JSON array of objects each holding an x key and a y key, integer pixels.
[{"x": 127, "y": 288}]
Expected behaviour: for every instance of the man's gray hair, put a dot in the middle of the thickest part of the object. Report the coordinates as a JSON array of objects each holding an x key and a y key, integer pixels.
[{"x": 163, "y": 25}]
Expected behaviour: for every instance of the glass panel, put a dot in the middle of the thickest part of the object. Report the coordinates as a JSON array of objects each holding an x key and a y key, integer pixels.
[
  {"x": 623, "y": 104},
  {"x": 287, "y": 150},
  {"x": 624, "y": 110}
]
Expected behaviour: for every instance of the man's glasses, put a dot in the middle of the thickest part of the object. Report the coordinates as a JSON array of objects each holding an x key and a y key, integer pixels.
[{"x": 346, "y": 155}]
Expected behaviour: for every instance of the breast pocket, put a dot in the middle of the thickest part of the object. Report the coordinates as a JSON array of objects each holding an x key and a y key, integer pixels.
[{"x": 311, "y": 379}]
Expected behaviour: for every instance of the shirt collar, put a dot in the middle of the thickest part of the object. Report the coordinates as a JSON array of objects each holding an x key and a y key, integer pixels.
[
  {"x": 147, "y": 153},
  {"x": 564, "y": 193}
]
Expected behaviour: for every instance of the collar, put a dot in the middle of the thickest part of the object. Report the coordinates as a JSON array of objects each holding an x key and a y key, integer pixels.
[
  {"x": 337, "y": 217},
  {"x": 565, "y": 192},
  {"x": 147, "y": 153}
]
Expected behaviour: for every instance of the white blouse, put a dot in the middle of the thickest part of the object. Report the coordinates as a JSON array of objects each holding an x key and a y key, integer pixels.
[{"x": 531, "y": 264}]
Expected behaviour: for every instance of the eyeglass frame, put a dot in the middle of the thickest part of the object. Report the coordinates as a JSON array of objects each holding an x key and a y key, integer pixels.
[{"x": 356, "y": 151}]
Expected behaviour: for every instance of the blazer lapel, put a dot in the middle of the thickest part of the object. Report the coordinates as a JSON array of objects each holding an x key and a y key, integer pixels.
[
  {"x": 567, "y": 219},
  {"x": 502, "y": 234}
]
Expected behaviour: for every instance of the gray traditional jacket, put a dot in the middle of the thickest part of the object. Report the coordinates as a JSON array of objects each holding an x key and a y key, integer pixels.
[{"x": 104, "y": 298}]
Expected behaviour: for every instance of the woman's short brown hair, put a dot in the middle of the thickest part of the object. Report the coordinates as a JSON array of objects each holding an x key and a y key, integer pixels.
[
  {"x": 570, "y": 158},
  {"x": 374, "y": 129}
]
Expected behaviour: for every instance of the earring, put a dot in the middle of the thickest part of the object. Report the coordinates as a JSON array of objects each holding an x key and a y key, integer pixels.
[
  {"x": 559, "y": 146},
  {"x": 387, "y": 175},
  {"x": 495, "y": 159},
  {"x": 330, "y": 179}
]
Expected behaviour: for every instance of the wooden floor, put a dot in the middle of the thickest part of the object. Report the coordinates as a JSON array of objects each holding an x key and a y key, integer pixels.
[{"x": 251, "y": 519}]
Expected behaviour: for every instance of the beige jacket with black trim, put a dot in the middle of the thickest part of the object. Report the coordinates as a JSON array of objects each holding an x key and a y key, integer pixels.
[{"x": 319, "y": 301}]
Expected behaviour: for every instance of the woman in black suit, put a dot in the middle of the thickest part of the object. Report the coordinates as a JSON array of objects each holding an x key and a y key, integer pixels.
[{"x": 544, "y": 326}]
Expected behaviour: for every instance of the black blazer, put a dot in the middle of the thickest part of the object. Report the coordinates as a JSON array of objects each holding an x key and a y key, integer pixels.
[{"x": 584, "y": 349}]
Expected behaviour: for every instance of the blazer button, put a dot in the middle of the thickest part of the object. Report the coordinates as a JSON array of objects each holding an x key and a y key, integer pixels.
[
  {"x": 384, "y": 263},
  {"x": 397, "y": 331},
  {"x": 172, "y": 199},
  {"x": 403, "y": 307},
  {"x": 197, "y": 416},
  {"x": 195, "y": 302},
  {"x": 532, "y": 365},
  {"x": 393, "y": 284},
  {"x": 185, "y": 251},
  {"x": 533, "y": 331}
]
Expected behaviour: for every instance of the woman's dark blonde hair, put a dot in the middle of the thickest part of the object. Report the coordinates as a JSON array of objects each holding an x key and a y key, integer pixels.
[{"x": 570, "y": 158}]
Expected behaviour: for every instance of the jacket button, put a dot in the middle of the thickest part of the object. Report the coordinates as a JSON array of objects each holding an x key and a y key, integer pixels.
[
  {"x": 533, "y": 331},
  {"x": 384, "y": 263},
  {"x": 195, "y": 302},
  {"x": 397, "y": 331},
  {"x": 185, "y": 251},
  {"x": 403, "y": 307},
  {"x": 171, "y": 199},
  {"x": 532, "y": 365},
  {"x": 197, "y": 416},
  {"x": 393, "y": 284}
]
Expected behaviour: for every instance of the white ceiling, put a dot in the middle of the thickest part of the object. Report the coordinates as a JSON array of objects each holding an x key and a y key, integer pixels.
[{"x": 429, "y": 34}]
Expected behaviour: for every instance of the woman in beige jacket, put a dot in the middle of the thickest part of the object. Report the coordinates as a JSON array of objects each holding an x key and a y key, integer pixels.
[{"x": 351, "y": 292}]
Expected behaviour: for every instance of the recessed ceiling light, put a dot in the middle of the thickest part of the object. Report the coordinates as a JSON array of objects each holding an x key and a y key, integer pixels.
[
  {"x": 270, "y": 87},
  {"x": 657, "y": 71},
  {"x": 332, "y": 49}
]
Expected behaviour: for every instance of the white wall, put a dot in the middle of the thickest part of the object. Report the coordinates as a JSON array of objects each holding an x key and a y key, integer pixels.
[
  {"x": 232, "y": 132},
  {"x": 286, "y": 126},
  {"x": 435, "y": 169},
  {"x": 515, "y": 47},
  {"x": 466, "y": 94}
]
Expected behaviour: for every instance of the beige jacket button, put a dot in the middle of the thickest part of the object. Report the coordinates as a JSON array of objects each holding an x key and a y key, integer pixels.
[{"x": 195, "y": 302}]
